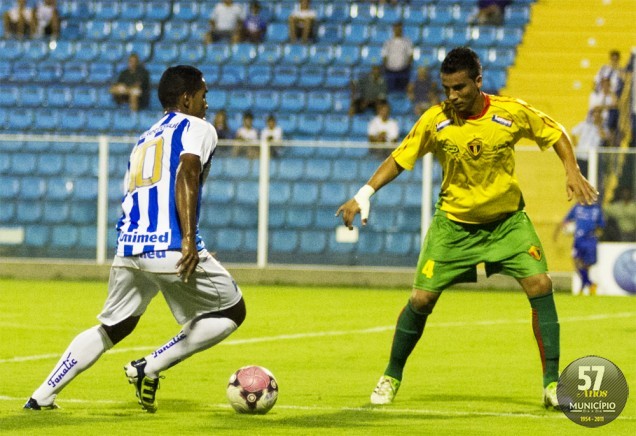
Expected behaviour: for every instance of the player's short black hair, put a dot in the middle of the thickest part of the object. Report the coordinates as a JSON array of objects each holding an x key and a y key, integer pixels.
[
  {"x": 462, "y": 59},
  {"x": 176, "y": 81}
]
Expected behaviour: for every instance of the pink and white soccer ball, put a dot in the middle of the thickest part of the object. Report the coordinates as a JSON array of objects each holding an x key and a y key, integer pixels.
[{"x": 252, "y": 389}]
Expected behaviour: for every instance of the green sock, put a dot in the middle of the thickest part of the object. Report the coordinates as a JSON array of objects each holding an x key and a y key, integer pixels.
[
  {"x": 409, "y": 329},
  {"x": 545, "y": 324}
]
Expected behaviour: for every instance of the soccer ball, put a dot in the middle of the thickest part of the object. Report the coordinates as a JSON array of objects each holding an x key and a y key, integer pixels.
[{"x": 252, "y": 389}]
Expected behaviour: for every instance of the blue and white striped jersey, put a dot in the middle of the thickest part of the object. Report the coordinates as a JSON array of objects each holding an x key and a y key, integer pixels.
[{"x": 150, "y": 221}]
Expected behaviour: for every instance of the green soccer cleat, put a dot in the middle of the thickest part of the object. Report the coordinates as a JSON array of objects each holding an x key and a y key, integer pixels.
[
  {"x": 385, "y": 391},
  {"x": 145, "y": 387},
  {"x": 32, "y": 404},
  {"x": 550, "y": 400}
]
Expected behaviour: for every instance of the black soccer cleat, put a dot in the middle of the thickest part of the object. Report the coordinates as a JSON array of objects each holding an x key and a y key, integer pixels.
[
  {"x": 32, "y": 404},
  {"x": 145, "y": 387}
]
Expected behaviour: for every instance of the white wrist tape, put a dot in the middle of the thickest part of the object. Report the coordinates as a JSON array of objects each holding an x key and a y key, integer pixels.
[{"x": 362, "y": 198}]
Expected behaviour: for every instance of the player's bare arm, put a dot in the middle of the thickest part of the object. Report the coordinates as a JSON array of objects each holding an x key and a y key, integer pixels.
[
  {"x": 187, "y": 189},
  {"x": 386, "y": 172},
  {"x": 577, "y": 186}
]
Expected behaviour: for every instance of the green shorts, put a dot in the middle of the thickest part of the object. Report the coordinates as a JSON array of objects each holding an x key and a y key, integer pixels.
[{"x": 451, "y": 251}]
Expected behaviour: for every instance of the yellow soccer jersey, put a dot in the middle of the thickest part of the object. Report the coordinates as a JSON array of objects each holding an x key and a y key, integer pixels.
[{"x": 479, "y": 184}]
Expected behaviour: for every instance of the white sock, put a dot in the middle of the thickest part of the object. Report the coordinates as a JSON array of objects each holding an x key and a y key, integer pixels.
[
  {"x": 194, "y": 337},
  {"x": 81, "y": 353}
]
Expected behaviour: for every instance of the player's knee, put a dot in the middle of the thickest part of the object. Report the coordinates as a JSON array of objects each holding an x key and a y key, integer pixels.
[
  {"x": 423, "y": 302},
  {"x": 122, "y": 329}
]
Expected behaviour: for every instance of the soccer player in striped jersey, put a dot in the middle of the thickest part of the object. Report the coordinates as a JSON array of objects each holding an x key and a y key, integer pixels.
[
  {"x": 479, "y": 216},
  {"x": 159, "y": 249}
]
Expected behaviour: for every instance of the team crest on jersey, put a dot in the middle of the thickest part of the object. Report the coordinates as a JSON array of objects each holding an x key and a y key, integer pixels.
[
  {"x": 475, "y": 147},
  {"x": 445, "y": 123},
  {"x": 501, "y": 120},
  {"x": 535, "y": 252}
]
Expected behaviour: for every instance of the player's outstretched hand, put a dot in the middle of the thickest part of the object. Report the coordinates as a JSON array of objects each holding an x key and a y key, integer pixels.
[
  {"x": 188, "y": 262},
  {"x": 349, "y": 210},
  {"x": 579, "y": 188}
]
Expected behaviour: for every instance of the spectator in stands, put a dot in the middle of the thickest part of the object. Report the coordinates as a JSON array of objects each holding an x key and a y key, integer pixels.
[
  {"x": 19, "y": 21},
  {"x": 606, "y": 100},
  {"x": 587, "y": 135},
  {"x": 273, "y": 134},
  {"x": 47, "y": 19},
  {"x": 382, "y": 128},
  {"x": 611, "y": 71},
  {"x": 220, "y": 124},
  {"x": 397, "y": 56},
  {"x": 302, "y": 22},
  {"x": 247, "y": 133},
  {"x": 490, "y": 12},
  {"x": 368, "y": 91},
  {"x": 132, "y": 85},
  {"x": 225, "y": 22},
  {"x": 254, "y": 26},
  {"x": 423, "y": 91},
  {"x": 623, "y": 212}
]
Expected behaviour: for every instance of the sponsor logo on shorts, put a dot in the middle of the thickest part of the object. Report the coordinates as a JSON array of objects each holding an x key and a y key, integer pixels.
[
  {"x": 61, "y": 371},
  {"x": 501, "y": 120},
  {"x": 535, "y": 252}
]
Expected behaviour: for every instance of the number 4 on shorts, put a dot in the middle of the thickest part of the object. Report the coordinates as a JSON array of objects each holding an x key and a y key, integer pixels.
[{"x": 427, "y": 270}]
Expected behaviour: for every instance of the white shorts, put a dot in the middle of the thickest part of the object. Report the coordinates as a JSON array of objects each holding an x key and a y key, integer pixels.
[{"x": 135, "y": 280}]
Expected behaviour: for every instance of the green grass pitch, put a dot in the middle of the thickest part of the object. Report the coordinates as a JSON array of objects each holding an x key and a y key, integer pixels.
[{"x": 476, "y": 370}]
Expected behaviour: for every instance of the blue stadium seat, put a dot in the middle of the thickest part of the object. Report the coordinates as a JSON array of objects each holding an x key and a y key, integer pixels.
[
  {"x": 35, "y": 50},
  {"x": 247, "y": 192},
  {"x": 58, "y": 96},
  {"x": 133, "y": 10},
  {"x": 279, "y": 192},
  {"x": 176, "y": 31},
  {"x": 346, "y": 54},
  {"x": 24, "y": 71},
  {"x": 313, "y": 241},
  {"x": 276, "y": 217},
  {"x": 217, "y": 53},
  {"x": 158, "y": 11},
  {"x": 462, "y": 13},
  {"x": 20, "y": 119},
  {"x": 55, "y": 212},
  {"x": 104, "y": 99},
  {"x": 336, "y": 12},
  {"x": 165, "y": 52},
  {"x": 389, "y": 14},
  {"x": 239, "y": 167},
  {"x": 62, "y": 50},
  {"x": 311, "y": 76},
  {"x": 198, "y": 29},
  {"x": 338, "y": 76},
  {"x": 232, "y": 75},
  {"x": 359, "y": 126},
  {"x": 364, "y": 13},
  {"x": 150, "y": 30},
  {"x": 191, "y": 53},
  {"x": 516, "y": 15},
  {"x": 356, "y": 33},
  {"x": 500, "y": 57},
  {"x": 284, "y": 75},
  {"x": 49, "y": 71},
  {"x": 298, "y": 217},
  {"x": 400, "y": 104},
  {"x": 87, "y": 236},
  {"x": 283, "y": 241},
  {"x": 32, "y": 95},
  {"x": 433, "y": 34},
  {"x": 74, "y": 72},
  {"x": 23, "y": 164},
  {"x": 125, "y": 121},
  {"x": 83, "y": 213},
  {"x": 85, "y": 189},
  {"x": 341, "y": 101},
  {"x": 10, "y": 187},
  {"x": 379, "y": 34},
  {"x": 277, "y": 32},
  {"x": 185, "y": 10},
  {"x": 86, "y": 51},
  {"x": 369, "y": 242},
  {"x": 97, "y": 30},
  {"x": 111, "y": 51},
  {"x": 72, "y": 30},
  {"x": 229, "y": 239},
  {"x": 32, "y": 188},
  {"x": 309, "y": 124},
  {"x": 330, "y": 33},
  {"x": 8, "y": 95},
  {"x": 371, "y": 55},
  {"x": 211, "y": 73},
  {"x": 409, "y": 219},
  {"x": 266, "y": 101},
  {"x": 217, "y": 217},
  {"x": 269, "y": 53},
  {"x": 413, "y": 32},
  {"x": 99, "y": 121},
  {"x": 321, "y": 54},
  {"x": 259, "y": 75},
  {"x": 77, "y": 165},
  {"x": 106, "y": 10},
  {"x": 336, "y": 125},
  {"x": 66, "y": 236},
  {"x": 84, "y": 96},
  {"x": 319, "y": 101},
  {"x": 292, "y": 101},
  {"x": 216, "y": 98},
  {"x": 483, "y": 36},
  {"x": 240, "y": 100},
  {"x": 244, "y": 53},
  {"x": 304, "y": 193},
  {"x": 318, "y": 169},
  {"x": 10, "y": 50},
  {"x": 58, "y": 188},
  {"x": 46, "y": 119},
  {"x": 6, "y": 69},
  {"x": 509, "y": 37},
  {"x": 391, "y": 196},
  {"x": 36, "y": 235},
  {"x": 398, "y": 243},
  {"x": 28, "y": 212},
  {"x": 295, "y": 54},
  {"x": 456, "y": 35},
  {"x": 122, "y": 30},
  {"x": 440, "y": 14},
  {"x": 287, "y": 122},
  {"x": 7, "y": 212}
]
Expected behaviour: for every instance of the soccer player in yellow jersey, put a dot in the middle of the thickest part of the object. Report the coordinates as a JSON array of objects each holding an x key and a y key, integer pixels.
[{"x": 479, "y": 216}]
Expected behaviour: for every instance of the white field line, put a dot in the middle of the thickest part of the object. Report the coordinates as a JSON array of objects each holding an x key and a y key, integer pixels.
[{"x": 595, "y": 317}]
